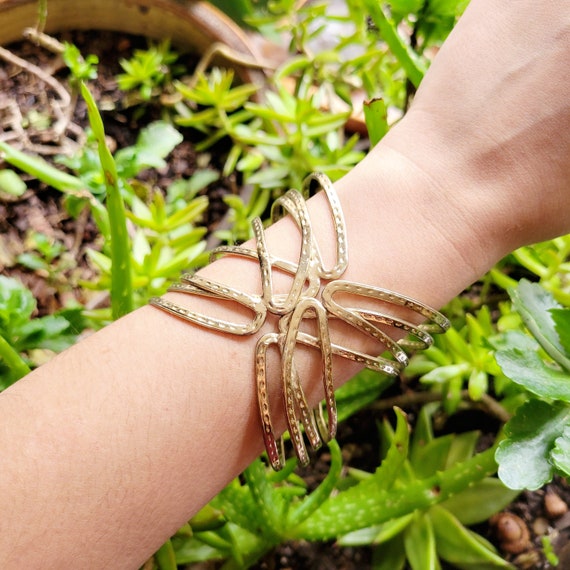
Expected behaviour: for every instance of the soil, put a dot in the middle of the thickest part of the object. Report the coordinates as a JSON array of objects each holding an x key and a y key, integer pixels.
[{"x": 532, "y": 516}]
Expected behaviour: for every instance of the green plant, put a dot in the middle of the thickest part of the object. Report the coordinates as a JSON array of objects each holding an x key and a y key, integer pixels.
[
  {"x": 165, "y": 240},
  {"x": 20, "y": 333},
  {"x": 121, "y": 277},
  {"x": 463, "y": 356},
  {"x": 148, "y": 70},
  {"x": 406, "y": 524},
  {"x": 279, "y": 141},
  {"x": 48, "y": 257},
  {"x": 440, "y": 487},
  {"x": 537, "y": 442},
  {"x": 82, "y": 69},
  {"x": 547, "y": 260}
]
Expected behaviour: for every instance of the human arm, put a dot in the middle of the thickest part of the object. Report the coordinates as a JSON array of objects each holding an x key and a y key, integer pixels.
[{"x": 111, "y": 447}]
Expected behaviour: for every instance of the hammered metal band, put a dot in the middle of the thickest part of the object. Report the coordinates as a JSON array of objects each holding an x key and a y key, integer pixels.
[{"x": 313, "y": 295}]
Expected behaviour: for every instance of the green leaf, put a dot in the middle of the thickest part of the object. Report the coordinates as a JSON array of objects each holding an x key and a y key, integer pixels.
[
  {"x": 11, "y": 183},
  {"x": 165, "y": 557},
  {"x": 561, "y": 452},
  {"x": 311, "y": 503},
  {"x": 461, "y": 547},
  {"x": 363, "y": 389},
  {"x": 376, "y": 117},
  {"x": 527, "y": 369},
  {"x": 447, "y": 7},
  {"x": 270, "y": 504},
  {"x": 16, "y": 365},
  {"x": 534, "y": 304},
  {"x": 561, "y": 318},
  {"x": 524, "y": 457},
  {"x": 479, "y": 502},
  {"x": 390, "y": 556},
  {"x": 412, "y": 64},
  {"x": 419, "y": 542},
  {"x": 156, "y": 142},
  {"x": 121, "y": 280},
  {"x": 405, "y": 7},
  {"x": 41, "y": 169}
]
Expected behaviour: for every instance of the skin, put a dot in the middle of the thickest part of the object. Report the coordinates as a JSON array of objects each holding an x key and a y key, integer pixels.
[{"x": 108, "y": 449}]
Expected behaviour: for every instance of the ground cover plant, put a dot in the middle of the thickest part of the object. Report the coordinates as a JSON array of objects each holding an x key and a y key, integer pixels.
[{"x": 425, "y": 490}]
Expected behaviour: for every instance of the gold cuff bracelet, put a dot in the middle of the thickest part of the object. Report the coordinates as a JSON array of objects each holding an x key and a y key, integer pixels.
[{"x": 307, "y": 298}]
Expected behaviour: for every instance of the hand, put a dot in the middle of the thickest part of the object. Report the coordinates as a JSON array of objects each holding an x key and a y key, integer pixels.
[{"x": 492, "y": 118}]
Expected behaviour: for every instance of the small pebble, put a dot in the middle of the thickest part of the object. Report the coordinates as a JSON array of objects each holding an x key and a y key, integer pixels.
[
  {"x": 540, "y": 526},
  {"x": 554, "y": 506},
  {"x": 512, "y": 533}
]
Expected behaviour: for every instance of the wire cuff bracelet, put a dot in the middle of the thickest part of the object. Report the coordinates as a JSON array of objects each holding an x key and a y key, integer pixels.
[{"x": 312, "y": 295}]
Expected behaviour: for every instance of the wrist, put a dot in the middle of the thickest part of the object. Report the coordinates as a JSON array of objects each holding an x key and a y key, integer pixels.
[{"x": 418, "y": 223}]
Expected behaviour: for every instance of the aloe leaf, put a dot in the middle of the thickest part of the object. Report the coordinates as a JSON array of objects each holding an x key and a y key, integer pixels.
[
  {"x": 237, "y": 505},
  {"x": 165, "y": 557},
  {"x": 361, "y": 390},
  {"x": 390, "y": 556},
  {"x": 358, "y": 507},
  {"x": 527, "y": 369},
  {"x": 271, "y": 506},
  {"x": 311, "y": 503},
  {"x": 121, "y": 279},
  {"x": 479, "y": 502},
  {"x": 534, "y": 304},
  {"x": 419, "y": 543},
  {"x": 462, "y": 447},
  {"x": 524, "y": 458},
  {"x": 461, "y": 547}
]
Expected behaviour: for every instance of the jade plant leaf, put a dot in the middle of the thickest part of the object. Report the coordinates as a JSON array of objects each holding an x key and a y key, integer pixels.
[
  {"x": 561, "y": 451},
  {"x": 561, "y": 318},
  {"x": 524, "y": 458},
  {"x": 536, "y": 441},
  {"x": 529, "y": 370},
  {"x": 534, "y": 304}
]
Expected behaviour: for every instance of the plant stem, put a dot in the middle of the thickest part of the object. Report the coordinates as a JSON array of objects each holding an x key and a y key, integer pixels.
[
  {"x": 121, "y": 278},
  {"x": 412, "y": 64},
  {"x": 404, "y": 401},
  {"x": 13, "y": 360}
]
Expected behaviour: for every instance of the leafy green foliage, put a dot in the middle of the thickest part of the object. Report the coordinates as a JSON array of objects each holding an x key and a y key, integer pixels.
[
  {"x": 463, "y": 356},
  {"x": 387, "y": 509},
  {"x": 147, "y": 70},
  {"x": 548, "y": 261},
  {"x": 537, "y": 438},
  {"x": 82, "y": 69},
  {"x": 48, "y": 257},
  {"x": 257, "y": 514},
  {"x": 20, "y": 333}
]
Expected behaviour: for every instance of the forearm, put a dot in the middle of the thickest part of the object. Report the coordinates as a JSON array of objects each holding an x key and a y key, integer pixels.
[{"x": 113, "y": 445}]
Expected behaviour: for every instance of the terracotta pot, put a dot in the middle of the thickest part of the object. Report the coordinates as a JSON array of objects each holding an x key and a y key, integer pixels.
[{"x": 192, "y": 25}]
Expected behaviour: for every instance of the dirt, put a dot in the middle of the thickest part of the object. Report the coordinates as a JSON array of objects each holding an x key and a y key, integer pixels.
[{"x": 40, "y": 209}]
